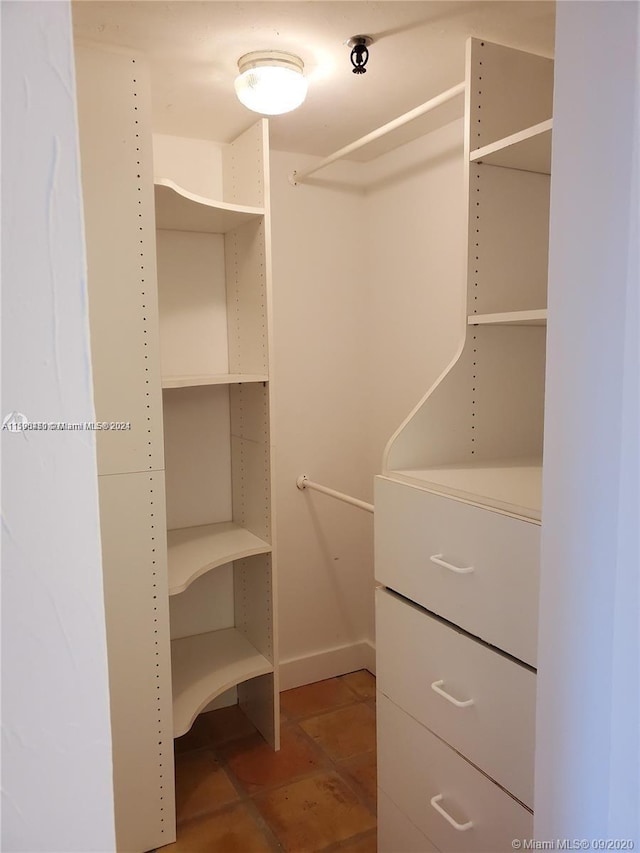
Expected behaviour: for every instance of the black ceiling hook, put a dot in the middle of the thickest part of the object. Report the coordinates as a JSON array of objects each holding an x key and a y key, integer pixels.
[{"x": 359, "y": 52}]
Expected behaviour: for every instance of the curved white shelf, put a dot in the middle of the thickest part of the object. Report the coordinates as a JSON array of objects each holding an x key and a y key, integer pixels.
[
  {"x": 206, "y": 665},
  {"x": 193, "y": 551},
  {"x": 212, "y": 379},
  {"x": 528, "y": 150},
  {"x": 178, "y": 209},
  {"x": 510, "y": 485},
  {"x": 510, "y": 318}
]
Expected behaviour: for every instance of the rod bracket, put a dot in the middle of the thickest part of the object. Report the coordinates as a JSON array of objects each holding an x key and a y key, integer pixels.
[{"x": 301, "y": 482}]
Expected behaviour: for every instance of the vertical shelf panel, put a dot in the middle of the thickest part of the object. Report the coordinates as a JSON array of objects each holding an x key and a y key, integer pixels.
[
  {"x": 244, "y": 165},
  {"x": 508, "y": 257},
  {"x": 253, "y": 596},
  {"x": 509, "y": 90},
  {"x": 255, "y": 609},
  {"x": 251, "y": 493},
  {"x": 137, "y": 617},
  {"x": 507, "y": 407},
  {"x": 198, "y": 456},
  {"x": 192, "y": 299},
  {"x": 427, "y": 437},
  {"x": 246, "y": 299},
  {"x": 117, "y": 180}
]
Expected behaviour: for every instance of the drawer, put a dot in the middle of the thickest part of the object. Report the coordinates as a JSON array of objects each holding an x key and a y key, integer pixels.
[
  {"x": 497, "y": 731},
  {"x": 490, "y": 587},
  {"x": 396, "y": 832},
  {"x": 421, "y": 775}
]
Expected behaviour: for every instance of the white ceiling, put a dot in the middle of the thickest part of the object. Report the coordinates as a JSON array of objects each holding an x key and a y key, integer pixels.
[{"x": 193, "y": 47}]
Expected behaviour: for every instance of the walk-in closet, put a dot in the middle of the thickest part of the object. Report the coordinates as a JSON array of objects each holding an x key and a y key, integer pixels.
[{"x": 319, "y": 333}]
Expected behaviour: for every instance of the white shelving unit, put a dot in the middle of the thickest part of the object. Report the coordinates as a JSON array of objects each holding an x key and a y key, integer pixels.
[
  {"x": 178, "y": 209},
  {"x": 207, "y": 665},
  {"x": 212, "y": 379},
  {"x": 193, "y": 551},
  {"x": 214, "y": 309},
  {"x": 510, "y": 318},
  {"x": 180, "y": 313},
  {"x": 488, "y": 405},
  {"x": 458, "y": 509},
  {"x": 528, "y": 150}
]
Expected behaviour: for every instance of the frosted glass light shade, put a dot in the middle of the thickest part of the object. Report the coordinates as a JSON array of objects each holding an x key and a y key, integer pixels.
[{"x": 270, "y": 82}]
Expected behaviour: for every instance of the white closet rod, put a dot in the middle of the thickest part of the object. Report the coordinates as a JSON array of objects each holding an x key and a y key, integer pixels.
[
  {"x": 299, "y": 177},
  {"x": 303, "y": 482}
]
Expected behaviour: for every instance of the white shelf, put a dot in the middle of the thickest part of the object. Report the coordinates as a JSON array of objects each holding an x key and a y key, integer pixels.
[
  {"x": 178, "y": 209},
  {"x": 206, "y": 665},
  {"x": 510, "y": 318},
  {"x": 193, "y": 551},
  {"x": 212, "y": 379},
  {"x": 510, "y": 485},
  {"x": 528, "y": 150}
]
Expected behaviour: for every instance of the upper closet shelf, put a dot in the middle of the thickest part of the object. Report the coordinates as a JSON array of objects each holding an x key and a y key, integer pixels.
[
  {"x": 204, "y": 666},
  {"x": 510, "y": 485},
  {"x": 528, "y": 150},
  {"x": 212, "y": 379},
  {"x": 192, "y": 551},
  {"x": 510, "y": 318},
  {"x": 178, "y": 209}
]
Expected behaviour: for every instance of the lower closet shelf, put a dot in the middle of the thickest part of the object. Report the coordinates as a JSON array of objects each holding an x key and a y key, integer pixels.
[
  {"x": 192, "y": 551},
  {"x": 206, "y": 665}
]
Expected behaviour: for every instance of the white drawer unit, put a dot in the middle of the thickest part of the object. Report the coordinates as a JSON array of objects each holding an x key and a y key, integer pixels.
[
  {"x": 478, "y": 701},
  {"x": 458, "y": 506},
  {"x": 474, "y": 567},
  {"x": 452, "y": 803}
]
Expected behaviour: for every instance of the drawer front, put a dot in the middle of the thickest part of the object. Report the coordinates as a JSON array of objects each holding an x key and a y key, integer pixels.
[
  {"x": 497, "y": 731},
  {"x": 490, "y": 587},
  {"x": 396, "y": 832},
  {"x": 425, "y": 778}
]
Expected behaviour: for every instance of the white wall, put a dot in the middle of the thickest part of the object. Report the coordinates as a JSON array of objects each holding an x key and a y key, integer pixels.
[
  {"x": 321, "y": 296},
  {"x": 416, "y": 228},
  {"x": 368, "y": 303},
  {"x": 588, "y": 718},
  {"x": 56, "y": 749}
]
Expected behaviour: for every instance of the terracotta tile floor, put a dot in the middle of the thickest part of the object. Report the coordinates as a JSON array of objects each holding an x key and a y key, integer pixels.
[{"x": 235, "y": 795}]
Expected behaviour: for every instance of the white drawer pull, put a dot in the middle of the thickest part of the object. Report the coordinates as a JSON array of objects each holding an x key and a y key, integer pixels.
[
  {"x": 461, "y": 827},
  {"x": 437, "y": 687},
  {"x": 459, "y": 570}
]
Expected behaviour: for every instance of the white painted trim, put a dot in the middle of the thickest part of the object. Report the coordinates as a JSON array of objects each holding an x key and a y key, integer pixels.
[{"x": 329, "y": 663}]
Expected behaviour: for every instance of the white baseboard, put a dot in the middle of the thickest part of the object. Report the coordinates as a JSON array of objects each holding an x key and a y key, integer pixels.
[{"x": 327, "y": 664}]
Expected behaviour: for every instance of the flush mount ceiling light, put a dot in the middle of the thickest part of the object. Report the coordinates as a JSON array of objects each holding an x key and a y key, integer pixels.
[{"x": 270, "y": 82}]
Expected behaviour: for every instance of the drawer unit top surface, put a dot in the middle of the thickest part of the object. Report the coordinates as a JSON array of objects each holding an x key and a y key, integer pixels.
[{"x": 472, "y": 566}]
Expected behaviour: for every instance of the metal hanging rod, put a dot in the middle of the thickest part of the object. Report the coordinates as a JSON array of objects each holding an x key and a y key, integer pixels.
[
  {"x": 299, "y": 177},
  {"x": 303, "y": 482}
]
